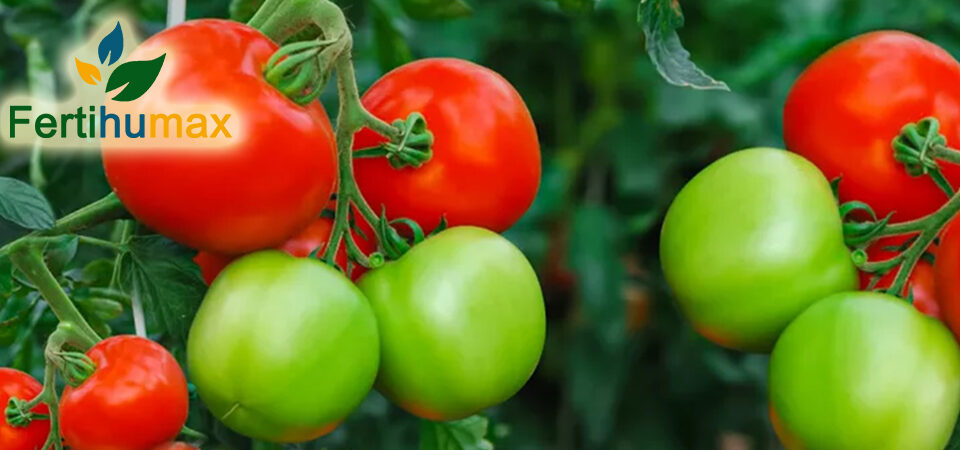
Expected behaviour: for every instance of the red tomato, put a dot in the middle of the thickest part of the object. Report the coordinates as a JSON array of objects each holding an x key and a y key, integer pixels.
[
  {"x": 271, "y": 183},
  {"x": 921, "y": 281},
  {"x": 485, "y": 169},
  {"x": 176, "y": 446},
  {"x": 847, "y": 107},
  {"x": 946, "y": 272},
  {"x": 14, "y": 383},
  {"x": 136, "y": 399},
  {"x": 313, "y": 237}
]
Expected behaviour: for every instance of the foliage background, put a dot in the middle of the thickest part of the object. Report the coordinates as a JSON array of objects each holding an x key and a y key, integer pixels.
[{"x": 621, "y": 369}]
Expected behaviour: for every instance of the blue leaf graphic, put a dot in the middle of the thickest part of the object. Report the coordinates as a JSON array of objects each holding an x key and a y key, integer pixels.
[{"x": 112, "y": 44}]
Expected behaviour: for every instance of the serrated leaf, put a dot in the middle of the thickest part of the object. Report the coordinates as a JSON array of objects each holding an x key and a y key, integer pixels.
[
  {"x": 464, "y": 434},
  {"x": 162, "y": 274},
  {"x": 136, "y": 77},
  {"x": 436, "y": 9},
  {"x": 24, "y": 205},
  {"x": 660, "y": 20},
  {"x": 111, "y": 46},
  {"x": 391, "y": 46}
]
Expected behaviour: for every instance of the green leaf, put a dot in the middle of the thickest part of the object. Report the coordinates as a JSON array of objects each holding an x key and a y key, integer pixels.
[
  {"x": 24, "y": 205},
  {"x": 660, "y": 20},
  {"x": 464, "y": 434},
  {"x": 436, "y": 9},
  {"x": 136, "y": 77},
  {"x": 161, "y": 273},
  {"x": 391, "y": 46}
]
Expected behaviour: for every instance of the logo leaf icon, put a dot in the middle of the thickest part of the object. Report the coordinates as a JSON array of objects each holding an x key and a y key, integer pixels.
[
  {"x": 138, "y": 76},
  {"x": 111, "y": 44},
  {"x": 89, "y": 73}
]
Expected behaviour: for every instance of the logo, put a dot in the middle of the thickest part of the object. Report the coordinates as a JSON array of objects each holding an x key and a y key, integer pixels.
[
  {"x": 136, "y": 77},
  {"x": 123, "y": 95}
]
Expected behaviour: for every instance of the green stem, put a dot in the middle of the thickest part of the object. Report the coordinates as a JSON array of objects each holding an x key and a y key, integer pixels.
[
  {"x": 103, "y": 210},
  {"x": 929, "y": 228},
  {"x": 29, "y": 259}
]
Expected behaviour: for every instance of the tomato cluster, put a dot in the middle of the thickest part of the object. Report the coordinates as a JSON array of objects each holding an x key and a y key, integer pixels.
[
  {"x": 284, "y": 346},
  {"x": 754, "y": 250}
]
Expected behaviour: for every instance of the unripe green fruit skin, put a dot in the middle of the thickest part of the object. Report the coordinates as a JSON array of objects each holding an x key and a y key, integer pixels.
[
  {"x": 462, "y": 323},
  {"x": 864, "y": 371},
  {"x": 750, "y": 242},
  {"x": 283, "y": 348}
]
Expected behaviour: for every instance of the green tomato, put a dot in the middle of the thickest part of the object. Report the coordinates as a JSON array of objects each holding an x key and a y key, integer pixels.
[
  {"x": 462, "y": 323},
  {"x": 750, "y": 242},
  {"x": 283, "y": 348},
  {"x": 863, "y": 370}
]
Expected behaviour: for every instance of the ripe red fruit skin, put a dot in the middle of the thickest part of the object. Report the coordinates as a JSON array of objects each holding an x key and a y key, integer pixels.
[
  {"x": 136, "y": 399},
  {"x": 847, "y": 107},
  {"x": 485, "y": 169},
  {"x": 14, "y": 383},
  {"x": 273, "y": 182}
]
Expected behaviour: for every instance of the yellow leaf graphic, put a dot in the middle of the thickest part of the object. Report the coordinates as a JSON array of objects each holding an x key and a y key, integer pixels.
[{"x": 89, "y": 73}]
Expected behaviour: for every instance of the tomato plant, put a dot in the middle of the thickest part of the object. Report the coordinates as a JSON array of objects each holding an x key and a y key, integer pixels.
[
  {"x": 853, "y": 365},
  {"x": 485, "y": 167},
  {"x": 750, "y": 242},
  {"x": 136, "y": 398},
  {"x": 841, "y": 115},
  {"x": 272, "y": 181},
  {"x": 461, "y": 321},
  {"x": 313, "y": 238},
  {"x": 16, "y": 384},
  {"x": 283, "y": 348}
]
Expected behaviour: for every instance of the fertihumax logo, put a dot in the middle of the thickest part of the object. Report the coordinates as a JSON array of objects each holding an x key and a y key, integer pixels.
[{"x": 114, "y": 114}]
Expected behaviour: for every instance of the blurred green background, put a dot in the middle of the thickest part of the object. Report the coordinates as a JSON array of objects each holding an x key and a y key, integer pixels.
[{"x": 621, "y": 369}]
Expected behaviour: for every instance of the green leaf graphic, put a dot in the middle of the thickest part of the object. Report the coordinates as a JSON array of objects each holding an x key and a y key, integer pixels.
[
  {"x": 138, "y": 76},
  {"x": 23, "y": 205}
]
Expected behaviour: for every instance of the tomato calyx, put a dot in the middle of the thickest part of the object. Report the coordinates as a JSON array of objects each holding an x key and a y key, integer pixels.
[
  {"x": 18, "y": 413},
  {"x": 413, "y": 148},
  {"x": 301, "y": 70},
  {"x": 917, "y": 147}
]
